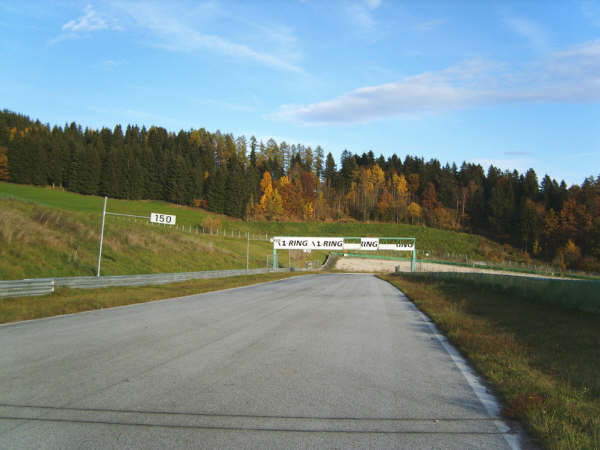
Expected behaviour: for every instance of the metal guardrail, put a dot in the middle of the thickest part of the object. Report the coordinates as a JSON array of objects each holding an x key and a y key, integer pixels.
[
  {"x": 22, "y": 288},
  {"x": 42, "y": 286}
]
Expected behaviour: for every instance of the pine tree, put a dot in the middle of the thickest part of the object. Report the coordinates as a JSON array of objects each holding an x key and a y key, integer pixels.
[
  {"x": 74, "y": 180},
  {"x": 175, "y": 191},
  {"x": 109, "y": 182},
  {"x": 319, "y": 156},
  {"x": 330, "y": 171},
  {"x": 215, "y": 196},
  {"x": 89, "y": 171},
  {"x": 235, "y": 191}
]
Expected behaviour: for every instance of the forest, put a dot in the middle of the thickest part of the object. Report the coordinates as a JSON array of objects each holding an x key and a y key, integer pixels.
[{"x": 255, "y": 180}]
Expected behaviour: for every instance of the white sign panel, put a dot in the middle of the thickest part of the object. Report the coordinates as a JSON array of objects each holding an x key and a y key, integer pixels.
[
  {"x": 369, "y": 244},
  {"x": 398, "y": 247},
  {"x": 308, "y": 243},
  {"x": 162, "y": 218}
]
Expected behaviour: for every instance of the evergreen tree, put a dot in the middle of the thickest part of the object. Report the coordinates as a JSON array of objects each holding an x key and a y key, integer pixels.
[
  {"x": 74, "y": 180},
  {"x": 89, "y": 170},
  {"x": 215, "y": 195},
  {"x": 110, "y": 182},
  {"x": 330, "y": 170},
  {"x": 38, "y": 164},
  {"x": 176, "y": 180},
  {"x": 236, "y": 189},
  {"x": 319, "y": 156}
]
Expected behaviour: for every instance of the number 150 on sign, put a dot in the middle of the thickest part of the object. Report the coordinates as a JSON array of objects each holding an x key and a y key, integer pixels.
[{"x": 162, "y": 218}]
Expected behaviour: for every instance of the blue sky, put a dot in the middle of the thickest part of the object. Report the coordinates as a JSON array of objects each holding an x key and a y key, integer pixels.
[{"x": 511, "y": 84}]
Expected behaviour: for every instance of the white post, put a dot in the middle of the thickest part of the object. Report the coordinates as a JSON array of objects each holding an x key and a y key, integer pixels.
[
  {"x": 247, "y": 250},
  {"x": 101, "y": 237}
]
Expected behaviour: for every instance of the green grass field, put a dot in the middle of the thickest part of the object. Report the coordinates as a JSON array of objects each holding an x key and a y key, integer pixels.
[
  {"x": 541, "y": 358},
  {"x": 40, "y": 241},
  {"x": 50, "y": 232},
  {"x": 583, "y": 295}
]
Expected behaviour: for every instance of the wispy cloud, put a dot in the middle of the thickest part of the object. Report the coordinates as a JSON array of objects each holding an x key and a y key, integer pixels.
[
  {"x": 361, "y": 13},
  {"x": 532, "y": 32},
  {"x": 429, "y": 24},
  {"x": 91, "y": 21},
  {"x": 569, "y": 76},
  {"x": 173, "y": 31}
]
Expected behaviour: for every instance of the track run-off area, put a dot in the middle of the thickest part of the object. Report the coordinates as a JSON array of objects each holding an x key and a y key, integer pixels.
[{"x": 316, "y": 361}]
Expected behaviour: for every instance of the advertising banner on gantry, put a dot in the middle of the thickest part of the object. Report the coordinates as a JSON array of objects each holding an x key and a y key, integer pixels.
[
  {"x": 401, "y": 247},
  {"x": 308, "y": 243},
  {"x": 337, "y": 243},
  {"x": 369, "y": 244}
]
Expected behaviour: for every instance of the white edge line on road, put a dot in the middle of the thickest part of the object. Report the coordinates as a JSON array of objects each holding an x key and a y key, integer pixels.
[
  {"x": 488, "y": 401},
  {"x": 89, "y": 311}
]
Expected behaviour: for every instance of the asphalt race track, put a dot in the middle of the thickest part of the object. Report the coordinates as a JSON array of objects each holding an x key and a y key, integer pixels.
[{"x": 319, "y": 361}]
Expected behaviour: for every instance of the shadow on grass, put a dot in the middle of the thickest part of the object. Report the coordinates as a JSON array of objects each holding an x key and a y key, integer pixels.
[
  {"x": 560, "y": 342},
  {"x": 542, "y": 359}
]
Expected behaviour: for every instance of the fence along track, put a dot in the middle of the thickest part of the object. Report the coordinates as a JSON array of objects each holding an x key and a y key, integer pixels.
[
  {"x": 43, "y": 286},
  {"x": 22, "y": 288}
]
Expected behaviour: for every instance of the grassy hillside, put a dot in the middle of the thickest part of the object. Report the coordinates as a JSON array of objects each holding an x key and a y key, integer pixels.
[
  {"x": 46, "y": 232},
  {"x": 38, "y": 241}
]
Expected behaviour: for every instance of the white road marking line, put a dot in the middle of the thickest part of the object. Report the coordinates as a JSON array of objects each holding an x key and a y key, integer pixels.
[{"x": 487, "y": 400}]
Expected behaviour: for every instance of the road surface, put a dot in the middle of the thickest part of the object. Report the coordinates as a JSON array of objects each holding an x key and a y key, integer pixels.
[{"x": 319, "y": 361}]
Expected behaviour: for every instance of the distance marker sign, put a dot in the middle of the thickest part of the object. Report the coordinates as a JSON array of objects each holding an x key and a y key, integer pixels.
[
  {"x": 162, "y": 218},
  {"x": 308, "y": 243}
]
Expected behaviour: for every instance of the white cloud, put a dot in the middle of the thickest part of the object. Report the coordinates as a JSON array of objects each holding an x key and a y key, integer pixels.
[
  {"x": 90, "y": 21},
  {"x": 533, "y": 33},
  {"x": 413, "y": 94},
  {"x": 570, "y": 76},
  {"x": 361, "y": 13},
  {"x": 373, "y": 4},
  {"x": 173, "y": 32}
]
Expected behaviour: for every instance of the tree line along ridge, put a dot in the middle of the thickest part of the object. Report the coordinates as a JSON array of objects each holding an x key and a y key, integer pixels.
[{"x": 251, "y": 179}]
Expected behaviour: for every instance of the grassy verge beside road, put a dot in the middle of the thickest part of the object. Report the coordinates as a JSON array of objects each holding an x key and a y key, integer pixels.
[
  {"x": 583, "y": 295},
  {"x": 67, "y": 301},
  {"x": 542, "y": 359}
]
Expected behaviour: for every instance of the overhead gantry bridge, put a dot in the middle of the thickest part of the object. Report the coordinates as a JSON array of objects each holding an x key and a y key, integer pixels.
[{"x": 347, "y": 244}]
